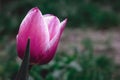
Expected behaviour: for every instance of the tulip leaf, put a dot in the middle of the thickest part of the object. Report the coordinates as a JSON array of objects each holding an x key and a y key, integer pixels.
[{"x": 23, "y": 71}]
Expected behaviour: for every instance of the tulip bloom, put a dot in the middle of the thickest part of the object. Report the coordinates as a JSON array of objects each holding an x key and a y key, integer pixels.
[{"x": 44, "y": 32}]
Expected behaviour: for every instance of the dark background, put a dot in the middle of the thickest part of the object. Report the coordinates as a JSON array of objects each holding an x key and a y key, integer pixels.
[{"x": 96, "y": 15}]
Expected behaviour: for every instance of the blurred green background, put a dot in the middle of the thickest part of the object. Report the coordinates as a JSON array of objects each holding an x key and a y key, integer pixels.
[{"x": 81, "y": 64}]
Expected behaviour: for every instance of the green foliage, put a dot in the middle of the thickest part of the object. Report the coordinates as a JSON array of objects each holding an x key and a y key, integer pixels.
[
  {"x": 80, "y": 13},
  {"x": 105, "y": 20},
  {"x": 82, "y": 66},
  {"x": 8, "y": 65}
]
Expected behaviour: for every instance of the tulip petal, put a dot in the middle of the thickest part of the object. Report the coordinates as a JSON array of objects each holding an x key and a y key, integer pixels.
[
  {"x": 53, "y": 24},
  {"x": 62, "y": 25},
  {"x": 53, "y": 44},
  {"x": 34, "y": 27}
]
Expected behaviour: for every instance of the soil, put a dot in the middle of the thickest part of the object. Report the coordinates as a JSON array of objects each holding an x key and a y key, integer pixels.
[{"x": 104, "y": 41}]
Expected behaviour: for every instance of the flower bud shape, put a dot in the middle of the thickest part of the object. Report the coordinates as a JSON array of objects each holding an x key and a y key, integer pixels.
[{"x": 44, "y": 32}]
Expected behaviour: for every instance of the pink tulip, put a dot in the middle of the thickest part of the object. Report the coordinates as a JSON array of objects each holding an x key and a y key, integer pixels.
[{"x": 44, "y": 32}]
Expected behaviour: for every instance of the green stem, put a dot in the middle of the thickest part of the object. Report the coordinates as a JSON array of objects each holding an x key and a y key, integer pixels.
[{"x": 25, "y": 67}]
